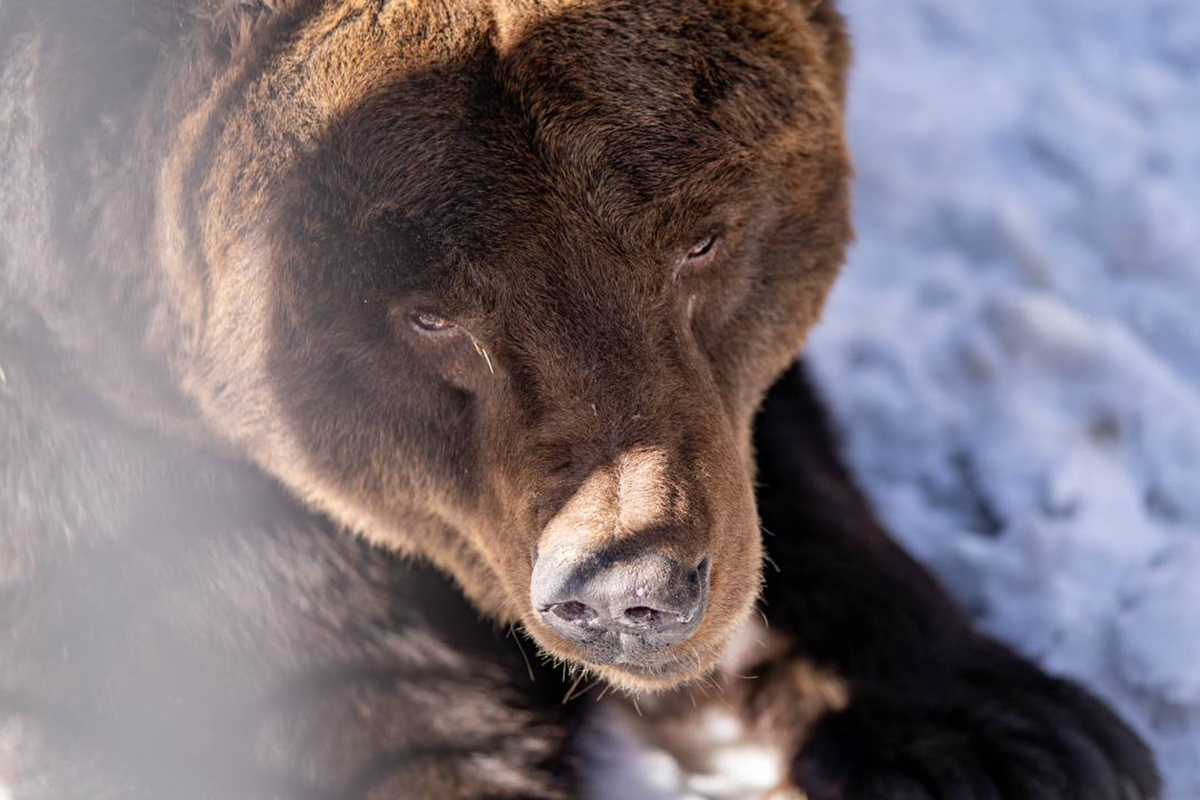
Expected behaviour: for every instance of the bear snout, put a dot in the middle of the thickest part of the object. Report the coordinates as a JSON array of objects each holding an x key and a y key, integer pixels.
[{"x": 621, "y": 608}]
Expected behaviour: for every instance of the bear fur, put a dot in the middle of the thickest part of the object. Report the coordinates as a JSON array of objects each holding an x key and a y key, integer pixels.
[{"x": 264, "y": 532}]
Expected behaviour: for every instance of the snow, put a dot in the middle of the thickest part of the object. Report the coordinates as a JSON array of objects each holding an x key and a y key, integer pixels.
[{"x": 1013, "y": 352}]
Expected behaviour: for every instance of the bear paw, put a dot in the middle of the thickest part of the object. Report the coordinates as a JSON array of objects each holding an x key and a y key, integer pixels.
[{"x": 993, "y": 729}]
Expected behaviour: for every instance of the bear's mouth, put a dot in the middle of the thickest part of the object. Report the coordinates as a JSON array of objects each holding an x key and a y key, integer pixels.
[
  {"x": 661, "y": 671},
  {"x": 635, "y": 648}
]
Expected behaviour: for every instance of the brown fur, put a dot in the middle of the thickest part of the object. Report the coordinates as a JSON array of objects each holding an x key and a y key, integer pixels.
[{"x": 534, "y": 171}]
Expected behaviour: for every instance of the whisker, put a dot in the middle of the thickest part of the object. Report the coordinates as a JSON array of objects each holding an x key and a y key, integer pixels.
[
  {"x": 516, "y": 637},
  {"x": 571, "y": 691},
  {"x": 762, "y": 614}
]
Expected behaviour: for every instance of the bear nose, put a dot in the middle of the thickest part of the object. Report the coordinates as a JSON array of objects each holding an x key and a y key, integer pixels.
[{"x": 625, "y": 607}]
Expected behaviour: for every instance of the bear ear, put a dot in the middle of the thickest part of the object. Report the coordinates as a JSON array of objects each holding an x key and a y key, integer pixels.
[{"x": 829, "y": 24}]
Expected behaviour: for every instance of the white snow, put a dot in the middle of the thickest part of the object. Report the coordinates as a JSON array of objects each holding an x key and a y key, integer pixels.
[{"x": 1013, "y": 352}]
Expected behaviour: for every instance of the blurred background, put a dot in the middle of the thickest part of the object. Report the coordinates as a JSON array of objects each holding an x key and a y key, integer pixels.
[{"x": 1013, "y": 352}]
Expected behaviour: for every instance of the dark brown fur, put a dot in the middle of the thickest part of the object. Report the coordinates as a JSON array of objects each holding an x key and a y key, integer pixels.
[{"x": 219, "y": 219}]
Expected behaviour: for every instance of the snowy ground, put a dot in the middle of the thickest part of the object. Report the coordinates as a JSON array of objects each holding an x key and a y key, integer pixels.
[{"x": 1014, "y": 349}]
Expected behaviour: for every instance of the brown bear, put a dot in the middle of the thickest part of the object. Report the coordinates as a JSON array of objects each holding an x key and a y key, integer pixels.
[{"x": 294, "y": 287}]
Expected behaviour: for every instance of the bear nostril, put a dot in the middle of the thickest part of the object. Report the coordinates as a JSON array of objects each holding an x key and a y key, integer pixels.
[
  {"x": 573, "y": 611},
  {"x": 643, "y": 615}
]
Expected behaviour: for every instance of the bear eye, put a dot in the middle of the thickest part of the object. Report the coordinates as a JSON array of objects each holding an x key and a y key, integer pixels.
[
  {"x": 704, "y": 248},
  {"x": 432, "y": 323},
  {"x": 696, "y": 257}
]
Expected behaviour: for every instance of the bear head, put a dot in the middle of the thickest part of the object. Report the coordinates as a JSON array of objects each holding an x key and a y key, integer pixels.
[{"x": 501, "y": 284}]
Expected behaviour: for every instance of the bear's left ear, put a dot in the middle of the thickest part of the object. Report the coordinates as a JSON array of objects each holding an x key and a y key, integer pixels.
[{"x": 830, "y": 25}]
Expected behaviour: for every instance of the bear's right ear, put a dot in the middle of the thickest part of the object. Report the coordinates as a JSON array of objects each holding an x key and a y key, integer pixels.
[{"x": 830, "y": 25}]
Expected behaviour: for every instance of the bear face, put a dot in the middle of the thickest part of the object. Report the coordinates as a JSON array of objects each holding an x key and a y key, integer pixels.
[{"x": 501, "y": 285}]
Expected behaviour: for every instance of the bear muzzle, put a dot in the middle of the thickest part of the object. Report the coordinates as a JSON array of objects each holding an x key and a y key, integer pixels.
[{"x": 621, "y": 608}]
